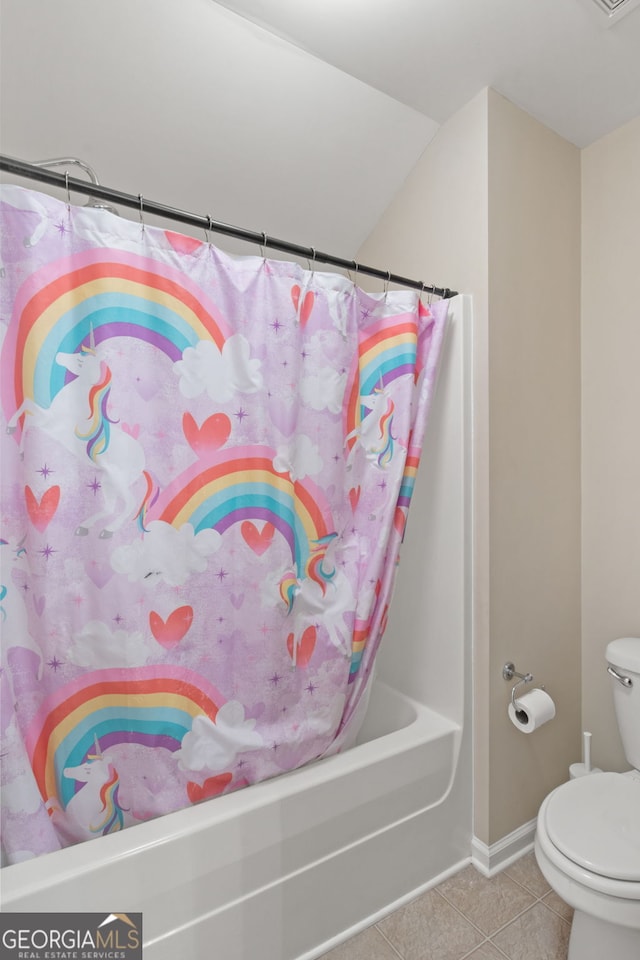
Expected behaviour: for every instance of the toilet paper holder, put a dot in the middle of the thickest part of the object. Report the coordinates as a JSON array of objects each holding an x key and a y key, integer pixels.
[{"x": 509, "y": 672}]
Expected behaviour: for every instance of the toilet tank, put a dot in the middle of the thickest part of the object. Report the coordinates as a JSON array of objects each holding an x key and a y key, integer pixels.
[{"x": 623, "y": 657}]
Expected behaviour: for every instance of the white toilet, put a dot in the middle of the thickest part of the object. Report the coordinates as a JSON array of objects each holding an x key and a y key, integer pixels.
[{"x": 588, "y": 834}]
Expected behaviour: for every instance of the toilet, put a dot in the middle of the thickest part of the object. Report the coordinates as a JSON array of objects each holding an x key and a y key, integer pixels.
[{"x": 588, "y": 833}]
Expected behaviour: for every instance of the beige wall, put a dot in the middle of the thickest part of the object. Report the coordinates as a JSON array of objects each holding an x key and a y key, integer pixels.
[
  {"x": 610, "y": 420},
  {"x": 493, "y": 207},
  {"x": 534, "y": 453}
]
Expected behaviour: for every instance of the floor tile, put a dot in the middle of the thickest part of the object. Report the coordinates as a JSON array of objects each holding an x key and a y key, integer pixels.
[
  {"x": 368, "y": 945},
  {"x": 430, "y": 929},
  {"x": 557, "y": 904},
  {"x": 539, "y": 934},
  {"x": 488, "y": 903},
  {"x": 486, "y": 951},
  {"x": 527, "y": 872}
]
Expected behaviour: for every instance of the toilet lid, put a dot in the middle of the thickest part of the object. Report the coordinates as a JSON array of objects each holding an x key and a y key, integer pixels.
[{"x": 595, "y": 821}]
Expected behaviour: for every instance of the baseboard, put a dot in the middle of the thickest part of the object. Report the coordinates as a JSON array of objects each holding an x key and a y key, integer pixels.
[{"x": 493, "y": 859}]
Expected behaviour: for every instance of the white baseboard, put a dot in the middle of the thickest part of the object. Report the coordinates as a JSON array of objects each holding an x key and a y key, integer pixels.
[{"x": 502, "y": 853}]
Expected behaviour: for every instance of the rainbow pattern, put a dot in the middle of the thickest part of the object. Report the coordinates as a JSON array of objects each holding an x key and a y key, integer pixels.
[
  {"x": 409, "y": 477},
  {"x": 242, "y": 484},
  {"x": 154, "y": 706},
  {"x": 388, "y": 351},
  {"x": 90, "y": 297}
]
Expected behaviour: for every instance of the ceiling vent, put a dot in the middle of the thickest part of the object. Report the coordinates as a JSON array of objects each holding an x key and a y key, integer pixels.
[{"x": 615, "y": 10}]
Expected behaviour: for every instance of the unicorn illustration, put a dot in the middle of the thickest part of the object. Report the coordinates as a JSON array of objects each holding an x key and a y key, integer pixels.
[
  {"x": 322, "y": 598},
  {"x": 95, "y": 809},
  {"x": 374, "y": 433},
  {"x": 116, "y": 454}
]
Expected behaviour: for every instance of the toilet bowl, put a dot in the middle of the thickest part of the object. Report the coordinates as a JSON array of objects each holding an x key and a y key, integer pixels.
[
  {"x": 588, "y": 834},
  {"x": 588, "y": 848}
]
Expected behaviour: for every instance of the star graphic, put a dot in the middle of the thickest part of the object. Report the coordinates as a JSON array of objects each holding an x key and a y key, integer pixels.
[
  {"x": 94, "y": 485},
  {"x": 241, "y": 414},
  {"x": 118, "y": 619},
  {"x": 310, "y": 687},
  {"x": 221, "y": 574},
  {"x": 55, "y": 664},
  {"x": 275, "y": 679},
  {"x": 47, "y": 552},
  {"x": 276, "y": 325},
  {"x": 61, "y": 227},
  {"x": 45, "y": 471}
]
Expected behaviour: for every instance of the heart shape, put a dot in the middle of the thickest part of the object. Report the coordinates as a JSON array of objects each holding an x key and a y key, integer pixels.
[
  {"x": 132, "y": 429},
  {"x": 354, "y": 497},
  {"x": 304, "y": 648},
  {"x": 212, "y": 435},
  {"x": 210, "y": 788},
  {"x": 237, "y": 599},
  {"x": 182, "y": 243},
  {"x": 38, "y": 605},
  {"x": 399, "y": 520},
  {"x": 99, "y": 573},
  {"x": 41, "y": 513},
  {"x": 146, "y": 388},
  {"x": 259, "y": 541},
  {"x": 303, "y": 310},
  {"x": 170, "y": 632}
]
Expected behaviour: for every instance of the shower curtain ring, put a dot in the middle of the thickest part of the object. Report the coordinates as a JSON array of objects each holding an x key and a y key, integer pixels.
[
  {"x": 263, "y": 245},
  {"x": 141, "y": 211},
  {"x": 206, "y": 231},
  {"x": 66, "y": 183},
  {"x": 312, "y": 263},
  {"x": 386, "y": 283}
]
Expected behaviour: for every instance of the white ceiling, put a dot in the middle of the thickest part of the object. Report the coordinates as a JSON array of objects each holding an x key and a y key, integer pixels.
[{"x": 560, "y": 60}]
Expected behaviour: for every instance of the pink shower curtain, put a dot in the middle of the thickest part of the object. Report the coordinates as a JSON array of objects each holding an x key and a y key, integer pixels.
[{"x": 207, "y": 463}]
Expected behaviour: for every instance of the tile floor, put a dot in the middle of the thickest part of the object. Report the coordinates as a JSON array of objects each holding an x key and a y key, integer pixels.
[{"x": 514, "y": 915}]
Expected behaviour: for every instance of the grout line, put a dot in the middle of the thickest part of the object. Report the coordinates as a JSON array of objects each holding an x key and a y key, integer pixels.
[
  {"x": 386, "y": 939},
  {"x": 498, "y": 929},
  {"x": 554, "y": 912},
  {"x": 464, "y": 916},
  {"x": 501, "y": 952}
]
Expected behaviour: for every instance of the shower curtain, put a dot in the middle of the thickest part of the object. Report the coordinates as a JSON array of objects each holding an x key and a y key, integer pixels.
[{"x": 207, "y": 463}]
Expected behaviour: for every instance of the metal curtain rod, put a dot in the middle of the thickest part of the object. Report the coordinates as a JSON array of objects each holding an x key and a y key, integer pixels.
[{"x": 33, "y": 172}]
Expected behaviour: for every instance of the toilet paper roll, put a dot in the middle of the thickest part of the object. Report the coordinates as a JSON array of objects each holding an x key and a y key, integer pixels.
[{"x": 532, "y": 710}]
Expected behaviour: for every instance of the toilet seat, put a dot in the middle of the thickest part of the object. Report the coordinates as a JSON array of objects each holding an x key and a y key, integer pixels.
[{"x": 594, "y": 822}]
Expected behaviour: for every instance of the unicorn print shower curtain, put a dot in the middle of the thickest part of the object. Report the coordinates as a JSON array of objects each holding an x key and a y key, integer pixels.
[{"x": 207, "y": 463}]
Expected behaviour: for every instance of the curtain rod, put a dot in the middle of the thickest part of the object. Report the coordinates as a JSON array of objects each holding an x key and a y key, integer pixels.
[{"x": 33, "y": 172}]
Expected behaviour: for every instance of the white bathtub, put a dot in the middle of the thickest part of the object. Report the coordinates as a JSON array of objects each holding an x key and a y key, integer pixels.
[{"x": 279, "y": 870}]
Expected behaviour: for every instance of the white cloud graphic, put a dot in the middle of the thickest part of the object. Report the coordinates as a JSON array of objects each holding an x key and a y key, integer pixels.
[
  {"x": 214, "y": 746},
  {"x": 324, "y": 390},
  {"x": 99, "y": 648},
  {"x": 21, "y": 795},
  {"x": 299, "y": 459},
  {"x": 220, "y": 373},
  {"x": 166, "y": 554}
]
